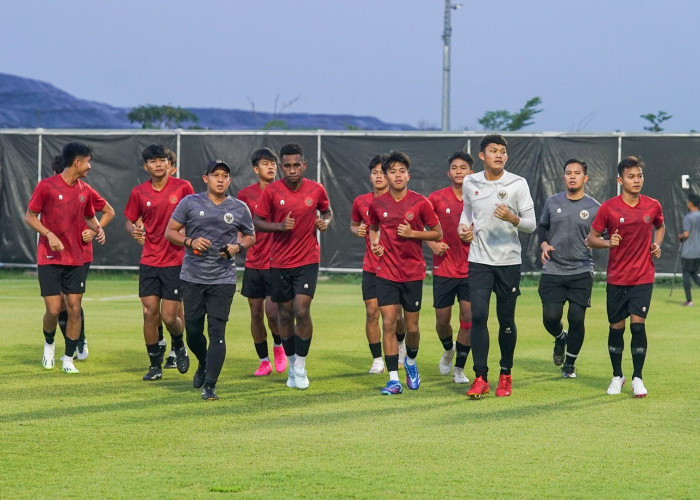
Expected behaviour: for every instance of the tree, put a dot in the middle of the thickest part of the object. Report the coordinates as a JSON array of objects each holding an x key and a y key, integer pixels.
[
  {"x": 503, "y": 120},
  {"x": 656, "y": 120},
  {"x": 151, "y": 116}
]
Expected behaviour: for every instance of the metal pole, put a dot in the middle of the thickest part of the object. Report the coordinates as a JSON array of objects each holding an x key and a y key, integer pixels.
[{"x": 446, "y": 37}]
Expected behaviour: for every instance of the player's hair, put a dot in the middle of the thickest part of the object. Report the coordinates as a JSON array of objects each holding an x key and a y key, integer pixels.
[
  {"x": 629, "y": 162},
  {"x": 263, "y": 154},
  {"x": 580, "y": 162},
  {"x": 292, "y": 149},
  {"x": 694, "y": 199},
  {"x": 155, "y": 152},
  {"x": 70, "y": 152},
  {"x": 378, "y": 159},
  {"x": 172, "y": 157},
  {"x": 492, "y": 139},
  {"x": 460, "y": 155},
  {"x": 396, "y": 157}
]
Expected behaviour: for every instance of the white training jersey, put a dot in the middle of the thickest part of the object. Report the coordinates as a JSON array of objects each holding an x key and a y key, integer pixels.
[{"x": 496, "y": 242}]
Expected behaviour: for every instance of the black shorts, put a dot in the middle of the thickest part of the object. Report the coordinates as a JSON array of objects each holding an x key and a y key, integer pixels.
[
  {"x": 408, "y": 294},
  {"x": 558, "y": 288},
  {"x": 213, "y": 300},
  {"x": 504, "y": 280},
  {"x": 446, "y": 289},
  {"x": 163, "y": 282},
  {"x": 623, "y": 300},
  {"x": 287, "y": 283},
  {"x": 369, "y": 285},
  {"x": 54, "y": 279},
  {"x": 257, "y": 283},
  {"x": 690, "y": 265}
]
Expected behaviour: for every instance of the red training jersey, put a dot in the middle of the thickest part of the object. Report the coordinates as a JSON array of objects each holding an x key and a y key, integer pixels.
[
  {"x": 360, "y": 213},
  {"x": 98, "y": 203},
  {"x": 155, "y": 208},
  {"x": 454, "y": 263},
  {"x": 63, "y": 210},
  {"x": 299, "y": 246},
  {"x": 257, "y": 256},
  {"x": 630, "y": 263},
  {"x": 403, "y": 257}
]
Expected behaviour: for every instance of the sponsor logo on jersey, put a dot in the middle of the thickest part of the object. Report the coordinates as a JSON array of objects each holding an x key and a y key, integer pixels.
[
  {"x": 410, "y": 215},
  {"x": 584, "y": 214},
  {"x": 148, "y": 203},
  {"x": 385, "y": 215},
  {"x": 228, "y": 218},
  {"x": 558, "y": 210},
  {"x": 447, "y": 210},
  {"x": 60, "y": 196},
  {"x": 622, "y": 220},
  {"x": 201, "y": 213},
  {"x": 308, "y": 201},
  {"x": 476, "y": 193},
  {"x": 281, "y": 202},
  {"x": 502, "y": 194}
]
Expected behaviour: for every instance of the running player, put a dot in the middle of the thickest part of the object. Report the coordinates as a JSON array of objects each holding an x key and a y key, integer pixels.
[
  {"x": 567, "y": 264},
  {"x": 160, "y": 288},
  {"x": 65, "y": 204},
  {"x": 497, "y": 204},
  {"x": 212, "y": 221},
  {"x": 690, "y": 249},
  {"x": 288, "y": 209},
  {"x": 257, "y": 284},
  {"x": 635, "y": 224},
  {"x": 398, "y": 219},
  {"x": 451, "y": 269}
]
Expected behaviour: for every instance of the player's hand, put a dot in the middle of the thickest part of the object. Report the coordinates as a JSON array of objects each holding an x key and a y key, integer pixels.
[
  {"x": 546, "y": 248},
  {"x": 439, "y": 247},
  {"x": 404, "y": 230},
  {"x": 362, "y": 230},
  {"x": 88, "y": 235},
  {"x": 615, "y": 239},
  {"x": 503, "y": 212},
  {"x": 466, "y": 234},
  {"x": 288, "y": 222},
  {"x": 54, "y": 242},
  {"x": 377, "y": 249},
  {"x": 200, "y": 245},
  {"x": 321, "y": 224},
  {"x": 139, "y": 234},
  {"x": 231, "y": 249},
  {"x": 655, "y": 250},
  {"x": 101, "y": 237}
]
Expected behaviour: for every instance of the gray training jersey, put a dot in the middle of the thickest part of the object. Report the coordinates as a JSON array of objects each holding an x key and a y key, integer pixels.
[
  {"x": 219, "y": 224},
  {"x": 567, "y": 223},
  {"x": 691, "y": 246}
]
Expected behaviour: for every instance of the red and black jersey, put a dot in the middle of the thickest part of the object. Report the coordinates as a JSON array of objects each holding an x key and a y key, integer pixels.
[
  {"x": 257, "y": 256},
  {"x": 63, "y": 210},
  {"x": 360, "y": 213},
  {"x": 403, "y": 257},
  {"x": 630, "y": 263},
  {"x": 299, "y": 246},
  {"x": 155, "y": 208},
  {"x": 454, "y": 263}
]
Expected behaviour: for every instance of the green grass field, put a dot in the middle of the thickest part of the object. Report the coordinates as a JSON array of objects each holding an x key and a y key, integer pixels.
[{"x": 106, "y": 433}]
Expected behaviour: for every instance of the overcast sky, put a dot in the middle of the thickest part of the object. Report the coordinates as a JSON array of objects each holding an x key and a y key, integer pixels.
[{"x": 596, "y": 64}]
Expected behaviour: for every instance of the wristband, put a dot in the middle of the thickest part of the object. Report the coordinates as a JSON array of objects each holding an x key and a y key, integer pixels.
[
  {"x": 241, "y": 248},
  {"x": 185, "y": 242},
  {"x": 46, "y": 234}
]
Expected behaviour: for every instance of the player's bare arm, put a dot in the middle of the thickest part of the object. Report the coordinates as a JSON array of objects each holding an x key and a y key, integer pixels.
[
  {"x": 546, "y": 248},
  {"x": 376, "y": 248},
  {"x": 265, "y": 226},
  {"x": 94, "y": 224},
  {"x": 175, "y": 236},
  {"x": 243, "y": 243},
  {"x": 466, "y": 233},
  {"x": 359, "y": 229},
  {"x": 438, "y": 247},
  {"x": 136, "y": 231},
  {"x": 595, "y": 239},
  {"x": 658, "y": 239},
  {"x": 108, "y": 214},
  {"x": 32, "y": 220},
  {"x": 324, "y": 220}
]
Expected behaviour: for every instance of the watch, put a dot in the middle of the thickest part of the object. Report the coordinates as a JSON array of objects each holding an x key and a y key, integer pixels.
[{"x": 241, "y": 248}]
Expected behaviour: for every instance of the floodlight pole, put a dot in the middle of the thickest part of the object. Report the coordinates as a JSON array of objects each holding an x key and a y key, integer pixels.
[{"x": 446, "y": 37}]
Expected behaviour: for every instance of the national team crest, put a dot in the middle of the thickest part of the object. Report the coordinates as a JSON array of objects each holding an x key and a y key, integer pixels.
[
  {"x": 82, "y": 199},
  {"x": 647, "y": 219},
  {"x": 173, "y": 199},
  {"x": 584, "y": 214},
  {"x": 308, "y": 201},
  {"x": 502, "y": 194},
  {"x": 410, "y": 215},
  {"x": 228, "y": 218}
]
